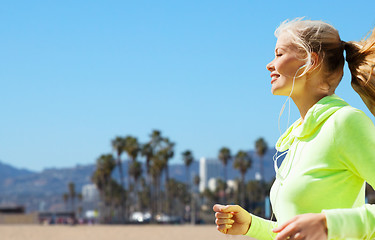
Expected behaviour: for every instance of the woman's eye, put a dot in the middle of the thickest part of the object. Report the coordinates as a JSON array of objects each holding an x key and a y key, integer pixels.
[{"x": 278, "y": 55}]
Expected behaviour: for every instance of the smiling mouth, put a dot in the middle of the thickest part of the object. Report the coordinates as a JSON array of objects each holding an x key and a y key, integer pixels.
[{"x": 274, "y": 77}]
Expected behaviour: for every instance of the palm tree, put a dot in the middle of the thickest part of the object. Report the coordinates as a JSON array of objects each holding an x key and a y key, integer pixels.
[
  {"x": 188, "y": 160},
  {"x": 187, "y": 156},
  {"x": 153, "y": 164},
  {"x": 166, "y": 152},
  {"x": 156, "y": 168},
  {"x": 261, "y": 148},
  {"x": 155, "y": 139},
  {"x": 147, "y": 152},
  {"x": 79, "y": 208},
  {"x": 72, "y": 195},
  {"x": 145, "y": 196},
  {"x": 66, "y": 199},
  {"x": 195, "y": 195},
  {"x": 103, "y": 180},
  {"x": 118, "y": 144},
  {"x": 179, "y": 196},
  {"x": 242, "y": 162},
  {"x": 196, "y": 181},
  {"x": 220, "y": 188},
  {"x": 135, "y": 171},
  {"x": 132, "y": 148},
  {"x": 225, "y": 157}
]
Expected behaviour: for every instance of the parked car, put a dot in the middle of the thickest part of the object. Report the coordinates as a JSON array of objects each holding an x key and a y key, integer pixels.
[{"x": 140, "y": 217}]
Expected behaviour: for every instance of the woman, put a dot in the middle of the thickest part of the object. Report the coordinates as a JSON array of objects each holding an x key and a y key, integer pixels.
[{"x": 319, "y": 191}]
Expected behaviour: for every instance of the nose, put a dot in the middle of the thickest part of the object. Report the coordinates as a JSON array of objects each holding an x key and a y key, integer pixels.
[{"x": 270, "y": 67}]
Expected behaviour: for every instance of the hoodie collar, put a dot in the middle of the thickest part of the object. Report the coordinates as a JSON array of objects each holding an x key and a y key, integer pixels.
[{"x": 314, "y": 118}]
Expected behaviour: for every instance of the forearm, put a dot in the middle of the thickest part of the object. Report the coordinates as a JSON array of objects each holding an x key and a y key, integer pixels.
[
  {"x": 261, "y": 228},
  {"x": 351, "y": 223}
]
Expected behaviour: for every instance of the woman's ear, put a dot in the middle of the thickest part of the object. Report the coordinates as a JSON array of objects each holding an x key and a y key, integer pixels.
[{"x": 315, "y": 61}]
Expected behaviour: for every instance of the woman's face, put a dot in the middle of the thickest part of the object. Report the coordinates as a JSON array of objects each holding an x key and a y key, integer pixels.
[{"x": 284, "y": 67}]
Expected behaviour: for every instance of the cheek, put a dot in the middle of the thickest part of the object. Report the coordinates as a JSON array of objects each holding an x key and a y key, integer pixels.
[
  {"x": 287, "y": 67},
  {"x": 285, "y": 70}
]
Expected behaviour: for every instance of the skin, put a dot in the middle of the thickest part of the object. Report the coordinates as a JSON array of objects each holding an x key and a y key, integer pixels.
[
  {"x": 308, "y": 90},
  {"x": 311, "y": 226},
  {"x": 289, "y": 62},
  {"x": 232, "y": 219}
]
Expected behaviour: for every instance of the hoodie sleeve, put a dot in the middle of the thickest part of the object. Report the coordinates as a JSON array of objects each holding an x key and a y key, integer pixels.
[
  {"x": 355, "y": 138},
  {"x": 261, "y": 228}
]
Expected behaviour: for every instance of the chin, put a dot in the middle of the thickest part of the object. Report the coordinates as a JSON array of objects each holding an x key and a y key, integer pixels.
[
  {"x": 280, "y": 90},
  {"x": 274, "y": 92}
]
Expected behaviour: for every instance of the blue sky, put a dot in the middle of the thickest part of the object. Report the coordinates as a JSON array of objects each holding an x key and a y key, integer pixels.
[{"x": 75, "y": 74}]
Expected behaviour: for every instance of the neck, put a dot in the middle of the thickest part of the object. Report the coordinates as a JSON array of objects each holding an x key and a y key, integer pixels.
[
  {"x": 310, "y": 93},
  {"x": 304, "y": 103}
]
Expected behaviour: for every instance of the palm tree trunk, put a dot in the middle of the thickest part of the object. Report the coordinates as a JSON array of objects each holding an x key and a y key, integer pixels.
[
  {"x": 123, "y": 200},
  {"x": 135, "y": 196},
  {"x": 187, "y": 177},
  {"x": 160, "y": 200},
  {"x": 152, "y": 199},
  {"x": 262, "y": 168},
  {"x": 167, "y": 190},
  {"x": 225, "y": 185},
  {"x": 242, "y": 189}
]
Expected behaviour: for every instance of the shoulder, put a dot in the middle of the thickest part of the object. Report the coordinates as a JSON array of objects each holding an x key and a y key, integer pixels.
[
  {"x": 350, "y": 115},
  {"x": 352, "y": 121}
]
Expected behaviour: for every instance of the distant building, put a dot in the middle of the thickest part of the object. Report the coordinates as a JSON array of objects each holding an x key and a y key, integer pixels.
[
  {"x": 214, "y": 169},
  {"x": 17, "y": 215},
  {"x": 90, "y": 193},
  {"x": 212, "y": 184},
  {"x": 208, "y": 169},
  {"x": 12, "y": 209},
  {"x": 232, "y": 185}
]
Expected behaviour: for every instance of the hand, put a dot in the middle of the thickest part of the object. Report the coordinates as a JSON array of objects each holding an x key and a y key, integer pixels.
[
  {"x": 232, "y": 219},
  {"x": 310, "y": 226}
]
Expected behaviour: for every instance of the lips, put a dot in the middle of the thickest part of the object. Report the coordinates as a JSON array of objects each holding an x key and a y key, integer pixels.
[{"x": 274, "y": 77}]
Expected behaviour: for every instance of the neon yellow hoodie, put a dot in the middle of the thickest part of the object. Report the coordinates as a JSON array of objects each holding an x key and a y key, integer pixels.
[{"x": 330, "y": 156}]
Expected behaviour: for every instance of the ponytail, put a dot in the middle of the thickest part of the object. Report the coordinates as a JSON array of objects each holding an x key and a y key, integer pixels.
[{"x": 361, "y": 60}]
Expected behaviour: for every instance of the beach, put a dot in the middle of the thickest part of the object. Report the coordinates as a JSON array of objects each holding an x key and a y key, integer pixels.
[{"x": 113, "y": 232}]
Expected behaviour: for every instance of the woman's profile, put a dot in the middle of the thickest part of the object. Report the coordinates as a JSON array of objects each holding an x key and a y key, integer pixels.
[{"x": 319, "y": 190}]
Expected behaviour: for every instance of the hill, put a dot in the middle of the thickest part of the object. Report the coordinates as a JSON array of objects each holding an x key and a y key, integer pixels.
[
  {"x": 43, "y": 190},
  {"x": 8, "y": 171}
]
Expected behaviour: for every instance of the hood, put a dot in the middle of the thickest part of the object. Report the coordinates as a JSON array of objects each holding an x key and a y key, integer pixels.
[{"x": 314, "y": 118}]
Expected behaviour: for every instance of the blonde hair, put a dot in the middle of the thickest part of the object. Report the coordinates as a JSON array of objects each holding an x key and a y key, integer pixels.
[
  {"x": 361, "y": 60},
  {"x": 323, "y": 39}
]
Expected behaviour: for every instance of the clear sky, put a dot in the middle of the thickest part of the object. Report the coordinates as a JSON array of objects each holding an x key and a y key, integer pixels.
[{"x": 75, "y": 74}]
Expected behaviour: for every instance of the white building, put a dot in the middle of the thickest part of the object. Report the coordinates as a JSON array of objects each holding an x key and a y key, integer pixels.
[
  {"x": 208, "y": 169},
  {"x": 90, "y": 193}
]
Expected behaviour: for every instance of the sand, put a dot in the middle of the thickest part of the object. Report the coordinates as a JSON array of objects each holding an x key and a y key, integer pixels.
[{"x": 117, "y": 232}]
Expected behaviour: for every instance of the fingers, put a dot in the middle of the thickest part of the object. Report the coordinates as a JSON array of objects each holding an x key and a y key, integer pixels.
[
  {"x": 284, "y": 225},
  {"x": 227, "y": 208},
  {"x": 221, "y": 221},
  {"x": 224, "y": 219},
  {"x": 297, "y": 236},
  {"x": 224, "y": 228},
  {"x": 218, "y": 207},
  {"x": 232, "y": 208},
  {"x": 288, "y": 232},
  {"x": 223, "y": 215}
]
